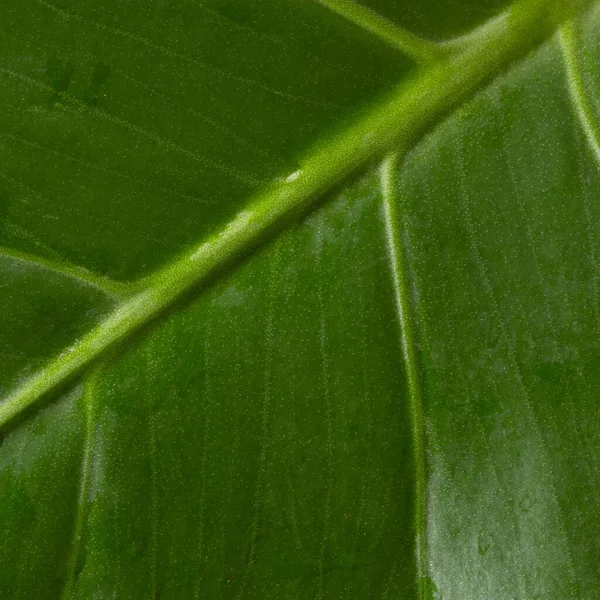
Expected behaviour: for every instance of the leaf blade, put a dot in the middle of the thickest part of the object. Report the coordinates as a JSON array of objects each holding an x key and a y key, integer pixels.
[{"x": 256, "y": 440}]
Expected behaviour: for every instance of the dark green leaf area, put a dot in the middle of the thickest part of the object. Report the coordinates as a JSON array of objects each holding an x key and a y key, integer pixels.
[
  {"x": 39, "y": 488},
  {"x": 131, "y": 130},
  {"x": 42, "y": 314}
]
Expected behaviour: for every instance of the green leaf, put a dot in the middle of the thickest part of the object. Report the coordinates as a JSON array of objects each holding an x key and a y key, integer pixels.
[{"x": 298, "y": 303}]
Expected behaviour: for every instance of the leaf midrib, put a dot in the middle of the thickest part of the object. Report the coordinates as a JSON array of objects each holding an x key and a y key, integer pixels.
[{"x": 396, "y": 123}]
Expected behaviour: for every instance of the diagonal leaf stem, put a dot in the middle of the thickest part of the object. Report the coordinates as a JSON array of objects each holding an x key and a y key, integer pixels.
[{"x": 397, "y": 121}]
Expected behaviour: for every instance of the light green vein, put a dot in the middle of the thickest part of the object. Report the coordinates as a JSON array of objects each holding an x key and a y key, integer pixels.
[
  {"x": 397, "y": 121},
  {"x": 402, "y": 294},
  {"x": 419, "y": 49},
  {"x": 116, "y": 289},
  {"x": 582, "y": 103},
  {"x": 86, "y": 470}
]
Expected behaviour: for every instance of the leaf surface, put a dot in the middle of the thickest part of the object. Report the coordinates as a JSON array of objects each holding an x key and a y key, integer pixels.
[{"x": 247, "y": 356}]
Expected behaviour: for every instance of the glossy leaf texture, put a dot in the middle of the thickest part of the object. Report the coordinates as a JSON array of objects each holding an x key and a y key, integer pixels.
[{"x": 298, "y": 303}]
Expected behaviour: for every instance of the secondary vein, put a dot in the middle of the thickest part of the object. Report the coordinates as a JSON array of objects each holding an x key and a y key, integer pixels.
[
  {"x": 86, "y": 471},
  {"x": 577, "y": 88},
  {"x": 397, "y": 121},
  {"x": 112, "y": 288},
  {"x": 399, "y": 270},
  {"x": 419, "y": 49}
]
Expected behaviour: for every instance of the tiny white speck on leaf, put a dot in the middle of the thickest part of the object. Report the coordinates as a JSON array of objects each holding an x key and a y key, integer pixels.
[{"x": 293, "y": 176}]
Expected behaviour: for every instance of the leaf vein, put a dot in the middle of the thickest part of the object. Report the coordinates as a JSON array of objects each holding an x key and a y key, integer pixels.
[
  {"x": 410, "y": 44},
  {"x": 112, "y": 288},
  {"x": 405, "y": 313},
  {"x": 578, "y": 94},
  {"x": 89, "y": 391},
  {"x": 397, "y": 121}
]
